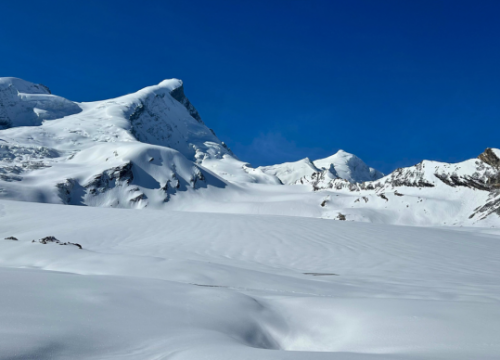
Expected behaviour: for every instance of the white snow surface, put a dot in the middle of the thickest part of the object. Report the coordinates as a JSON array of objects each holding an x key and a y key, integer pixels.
[{"x": 179, "y": 285}]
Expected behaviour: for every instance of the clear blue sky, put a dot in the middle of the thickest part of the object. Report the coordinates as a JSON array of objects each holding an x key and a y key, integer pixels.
[{"x": 393, "y": 82}]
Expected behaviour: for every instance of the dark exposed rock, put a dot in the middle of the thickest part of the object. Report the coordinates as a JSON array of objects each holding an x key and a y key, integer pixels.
[
  {"x": 489, "y": 157},
  {"x": 197, "y": 177},
  {"x": 65, "y": 189},
  {"x": 139, "y": 109},
  {"x": 45, "y": 87},
  {"x": 48, "y": 239},
  {"x": 227, "y": 147},
  {"x": 341, "y": 216},
  {"x": 111, "y": 178},
  {"x": 467, "y": 181},
  {"x": 178, "y": 94},
  {"x": 138, "y": 198},
  {"x": 384, "y": 197},
  {"x": 411, "y": 177},
  {"x": 492, "y": 206},
  {"x": 170, "y": 187},
  {"x": 52, "y": 239},
  {"x": 11, "y": 238}
]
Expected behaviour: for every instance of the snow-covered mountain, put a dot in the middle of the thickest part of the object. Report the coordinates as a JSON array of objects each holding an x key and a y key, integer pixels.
[
  {"x": 349, "y": 167},
  {"x": 152, "y": 149},
  {"x": 341, "y": 165},
  {"x": 131, "y": 151}
]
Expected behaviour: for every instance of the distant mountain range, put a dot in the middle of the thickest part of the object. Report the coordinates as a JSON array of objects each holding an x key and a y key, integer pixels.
[{"x": 152, "y": 149}]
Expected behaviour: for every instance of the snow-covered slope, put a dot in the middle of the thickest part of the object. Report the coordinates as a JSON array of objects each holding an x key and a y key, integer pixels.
[{"x": 176, "y": 285}]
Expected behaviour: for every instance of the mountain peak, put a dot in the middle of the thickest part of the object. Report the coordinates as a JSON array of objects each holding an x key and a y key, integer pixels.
[
  {"x": 23, "y": 103},
  {"x": 348, "y": 166},
  {"x": 23, "y": 86},
  {"x": 491, "y": 157}
]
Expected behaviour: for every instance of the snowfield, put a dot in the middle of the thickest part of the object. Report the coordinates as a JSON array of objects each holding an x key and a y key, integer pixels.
[
  {"x": 179, "y": 285},
  {"x": 133, "y": 232}
]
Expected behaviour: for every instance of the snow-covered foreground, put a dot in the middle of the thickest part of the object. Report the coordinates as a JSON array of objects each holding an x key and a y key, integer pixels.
[{"x": 178, "y": 285}]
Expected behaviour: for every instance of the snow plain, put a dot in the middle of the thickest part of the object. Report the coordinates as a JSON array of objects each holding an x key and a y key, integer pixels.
[{"x": 185, "y": 285}]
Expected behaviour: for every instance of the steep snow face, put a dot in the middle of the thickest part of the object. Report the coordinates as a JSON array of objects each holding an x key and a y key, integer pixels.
[
  {"x": 162, "y": 115},
  {"x": 349, "y": 167},
  {"x": 25, "y": 104}
]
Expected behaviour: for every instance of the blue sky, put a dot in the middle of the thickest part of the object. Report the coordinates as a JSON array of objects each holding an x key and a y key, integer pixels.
[{"x": 393, "y": 82}]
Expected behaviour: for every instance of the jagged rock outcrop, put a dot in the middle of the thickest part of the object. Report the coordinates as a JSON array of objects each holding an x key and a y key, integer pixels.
[
  {"x": 491, "y": 157},
  {"x": 120, "y": 175},
  {"x": 52, "y": 240}
]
